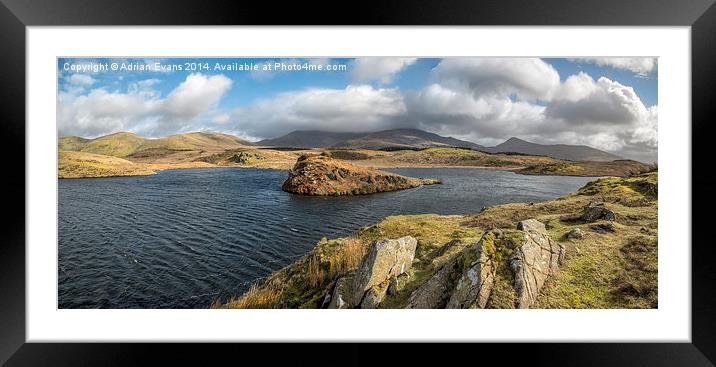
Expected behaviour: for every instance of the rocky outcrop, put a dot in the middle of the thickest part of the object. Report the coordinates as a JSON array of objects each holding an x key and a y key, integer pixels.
[
  {"x": 525, "y": 258},
  {"x": 435, "y": 292},
  {"x": 385, "y": 259},
  {"x": 244, "y": 157},
  {"x": 531, "y": 263},
  {"x": 594, "y": 212},
  {"x": 322, "y": 175},
  {"x": 340, "y": 297},
  {"x": 475, "y": 284},
  {"x": 374, "y": 295},
  {"x": 531, "y": 225},
  {"x": 377, "y": 275}
]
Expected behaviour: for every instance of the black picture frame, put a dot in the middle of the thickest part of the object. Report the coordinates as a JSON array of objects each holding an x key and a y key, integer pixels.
[{"x": 700, "y": 15}]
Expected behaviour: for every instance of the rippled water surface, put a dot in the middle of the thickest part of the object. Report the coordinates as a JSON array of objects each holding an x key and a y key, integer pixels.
[{"x": 183, "y": 238}]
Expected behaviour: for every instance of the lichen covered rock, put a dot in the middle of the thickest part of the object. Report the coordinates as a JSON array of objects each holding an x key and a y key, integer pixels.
[
  {"x": 436, "y": 291},
  {"x": 594, "y": 212},
  {"x": 528, "y": 255},
  {"x": 475, "y": 284},
  {"x": 374, "y": 295},
  {"x": 531, "y": 263},
  {"x": 385, "y": 259},
  {"x": 341, "y": 295}
]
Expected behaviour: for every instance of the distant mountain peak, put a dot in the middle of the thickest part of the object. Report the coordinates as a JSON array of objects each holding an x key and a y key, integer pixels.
[
  {"x": 400, "y": 138},
  {"x": 559, "y": 151}
]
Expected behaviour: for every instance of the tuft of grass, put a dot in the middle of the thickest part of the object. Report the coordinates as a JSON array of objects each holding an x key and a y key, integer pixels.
[
  {"x": 264, "y": 296},
  {"x": 331, "y": 259}
]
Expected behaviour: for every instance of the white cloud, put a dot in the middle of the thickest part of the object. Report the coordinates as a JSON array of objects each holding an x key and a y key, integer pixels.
[
  {"x": 482, "y": 100},
  {"x": 81, "y": 79},
  {"x": 604, "y": 113},
  {"x": 604, "y": 102},
  {"x": 101, "y": 112},
  {"x": 195, "y": 95},
  {"x": 525, "y": 78},
  {"x": 355, "y": 108},
  {"x": 144, "y": 88},
  {"x": 380, "y": 69},
  {"x": 640, "y": 66},
  {"x": 139, "y": 109}
]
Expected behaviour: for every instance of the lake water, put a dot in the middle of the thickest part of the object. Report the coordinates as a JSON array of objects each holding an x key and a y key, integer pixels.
[{"x": 183, "y": 238}]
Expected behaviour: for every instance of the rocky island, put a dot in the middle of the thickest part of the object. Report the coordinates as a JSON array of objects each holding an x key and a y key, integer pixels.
[{"x": 321, "y": 175}]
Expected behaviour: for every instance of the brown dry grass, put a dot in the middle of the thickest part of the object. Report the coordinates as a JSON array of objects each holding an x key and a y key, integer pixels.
[
  {"x": 333, "y": 260},
  {"x": 264, "y": 296},
  {"x": 81, "y": 165}
]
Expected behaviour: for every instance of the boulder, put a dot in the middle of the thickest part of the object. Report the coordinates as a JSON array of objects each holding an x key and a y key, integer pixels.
[
  {"x": 340, "y": 297},
  {"x": 436, "y": 291},
  {"x": 475, "y": 284},
  {"x": 575, "y": 233},
  {"x": 385, "y": 259},
  {"x": 531, "y": 225},
  {"x": 594, "y": 212},
  {"x": 530, "y": 254},
  {"x": 603, "y": 227},
  {"x": 393, "y": 286},
  {"x": 374, "y": 296},
  {"x": 532, "y": 262}
]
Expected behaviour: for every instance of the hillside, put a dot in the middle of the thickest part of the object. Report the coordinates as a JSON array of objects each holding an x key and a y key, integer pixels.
[
  {"x": 457, "y": 157},
  {"x": 397, "y": 139},
  {"x": 387, "y": 139},
  {"x": 321, "y": 175},
  {"x": 403, "y": 138},
  {"x": 308, "y": 139},
  {"x": 205, "y": 149},
  {"x": 71, "y": 143},
  {"x": 559, "y": 151},
  {"x": 124, "y": 144},
  {"x": 81, "y": 165},
  {"x": 618, "y": 168},
  {"x": 597, "y": 248}
]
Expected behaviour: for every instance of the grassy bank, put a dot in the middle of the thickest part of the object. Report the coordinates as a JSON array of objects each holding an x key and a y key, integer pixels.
[{"x": 80, "y": 164}]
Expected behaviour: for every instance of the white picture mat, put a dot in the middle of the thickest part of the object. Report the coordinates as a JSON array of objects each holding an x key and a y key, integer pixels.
[{"x": 670, "y": 322}]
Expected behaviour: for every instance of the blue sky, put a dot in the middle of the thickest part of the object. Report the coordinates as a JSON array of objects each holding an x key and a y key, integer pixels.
[{"x": 486, "y": 100}]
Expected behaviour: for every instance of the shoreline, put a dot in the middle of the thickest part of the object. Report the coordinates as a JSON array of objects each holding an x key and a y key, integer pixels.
[{"x": 281, "y": 168}]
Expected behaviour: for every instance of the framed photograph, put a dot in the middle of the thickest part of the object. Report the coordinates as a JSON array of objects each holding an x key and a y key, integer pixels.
[{"x": 436, "y": 175}]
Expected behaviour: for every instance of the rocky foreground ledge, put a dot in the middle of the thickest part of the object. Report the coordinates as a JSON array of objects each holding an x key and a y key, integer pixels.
[
  {"x": 321, "y": 175},
  {"x": 595, "y": 248}
]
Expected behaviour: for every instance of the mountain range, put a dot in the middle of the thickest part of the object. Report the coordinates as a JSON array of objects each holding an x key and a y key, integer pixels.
[
  {"x": 418, "y": 139},
  {"x": 123, "y": 144}
]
